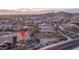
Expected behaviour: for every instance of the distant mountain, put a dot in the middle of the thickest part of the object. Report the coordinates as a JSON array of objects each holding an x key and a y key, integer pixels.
[
  {"x": 39, "y": 14},
  {"x": 72, "y": 10},
  {"x": 37, "y": 10},
  {"x": 28, "y": 11},
  {"x": 58, "y": 14}
]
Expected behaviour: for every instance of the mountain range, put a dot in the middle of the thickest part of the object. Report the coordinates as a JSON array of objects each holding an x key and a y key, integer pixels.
[
  {"x": 37, "y": 10},
  {"x": 28, "y": 11}
]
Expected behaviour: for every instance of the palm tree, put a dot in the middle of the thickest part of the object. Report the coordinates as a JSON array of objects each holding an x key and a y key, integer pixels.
[{"x": 33, "y": 33}]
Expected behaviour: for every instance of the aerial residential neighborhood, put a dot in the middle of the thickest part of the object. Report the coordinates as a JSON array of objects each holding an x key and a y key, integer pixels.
[{"x": 35, "y": 31}]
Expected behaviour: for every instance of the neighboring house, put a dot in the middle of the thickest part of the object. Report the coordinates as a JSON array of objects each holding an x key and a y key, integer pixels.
[
  {"x": 45, "y": 30},
  {"x": 75, "y": 22},
  {"x": 5, "y": 27}
]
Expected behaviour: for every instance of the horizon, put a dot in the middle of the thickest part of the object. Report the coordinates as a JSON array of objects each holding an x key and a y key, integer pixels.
[{"x": 38, "y": 10}]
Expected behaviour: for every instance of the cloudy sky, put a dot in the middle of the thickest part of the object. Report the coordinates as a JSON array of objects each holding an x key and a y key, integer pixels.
[
  {"x": 42, "y": 4},
  {"x": 13, "y": 4}
]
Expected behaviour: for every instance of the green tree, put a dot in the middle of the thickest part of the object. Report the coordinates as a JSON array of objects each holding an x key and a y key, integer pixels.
[{"x": 34, "y": 30}]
